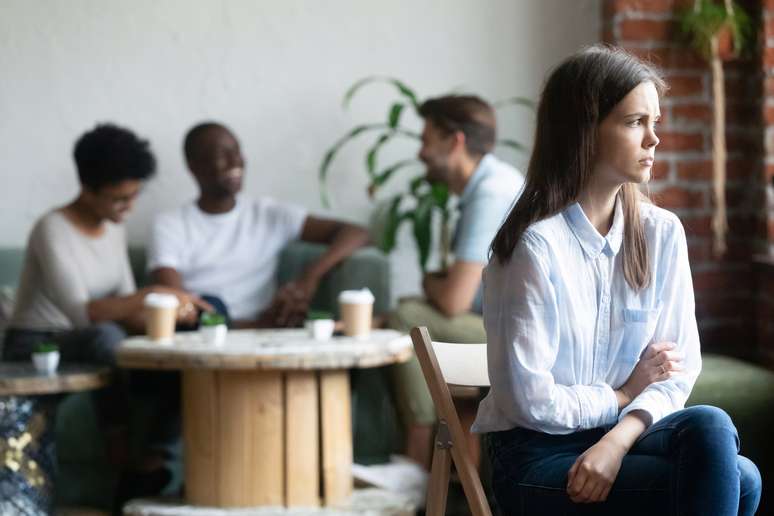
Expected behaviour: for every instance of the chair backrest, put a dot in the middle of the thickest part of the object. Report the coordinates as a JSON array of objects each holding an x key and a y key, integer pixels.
[
  {"x": 451, "y": 436},
  {"x": 462, "y": 364}
]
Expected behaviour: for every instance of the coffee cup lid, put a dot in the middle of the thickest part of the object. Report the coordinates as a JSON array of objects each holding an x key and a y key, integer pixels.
[
  {"x": 161, "y": 300},
  {"x": 363, "y": 295}
]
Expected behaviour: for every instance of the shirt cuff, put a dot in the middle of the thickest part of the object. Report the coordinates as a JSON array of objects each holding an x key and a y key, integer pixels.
[
  {"x": 599, "y": 405},
  {"x": 646, "y": 405}
]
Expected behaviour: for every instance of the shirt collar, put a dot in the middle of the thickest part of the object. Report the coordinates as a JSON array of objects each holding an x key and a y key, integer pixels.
[
  {"x": 477, "y": 176},
  {"x": 590, "y": 240}
]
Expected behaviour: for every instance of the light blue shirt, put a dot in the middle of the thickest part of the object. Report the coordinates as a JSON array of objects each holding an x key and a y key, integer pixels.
[
  {"x": 564, "y": 328},
  {"x": 484, "y": 204}
]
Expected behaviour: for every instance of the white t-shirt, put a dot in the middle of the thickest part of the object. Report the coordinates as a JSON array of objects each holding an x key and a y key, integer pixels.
[{"x": 233, "y": 255}]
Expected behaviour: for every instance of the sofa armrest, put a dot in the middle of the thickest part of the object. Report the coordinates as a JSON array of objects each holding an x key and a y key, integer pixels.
[{"x": 367, "y": 267}]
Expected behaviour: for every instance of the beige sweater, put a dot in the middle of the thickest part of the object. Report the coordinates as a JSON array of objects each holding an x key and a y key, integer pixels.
[{"x": 65, "y": 269}]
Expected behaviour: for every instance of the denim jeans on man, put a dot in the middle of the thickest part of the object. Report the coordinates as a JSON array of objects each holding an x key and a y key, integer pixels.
[{"x": 685, "y": 464}]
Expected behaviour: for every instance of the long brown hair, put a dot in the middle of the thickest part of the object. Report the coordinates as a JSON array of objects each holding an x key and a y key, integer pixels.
[{"x": 577, "y": 96}]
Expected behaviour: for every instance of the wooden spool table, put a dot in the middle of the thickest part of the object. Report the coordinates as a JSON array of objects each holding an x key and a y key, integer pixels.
[
  {"x": 267, "y": 417},
  {"x": 27, "y": 450}
]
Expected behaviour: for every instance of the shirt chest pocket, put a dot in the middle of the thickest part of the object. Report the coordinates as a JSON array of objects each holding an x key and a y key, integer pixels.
[{"x": 639, "y": 327}]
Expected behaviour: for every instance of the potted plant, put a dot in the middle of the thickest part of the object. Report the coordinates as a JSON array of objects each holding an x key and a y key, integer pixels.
[
  {"x": 320, "y": 324},
  {"x": 46, "y": 357},
  {"x": 718, "y": 32},
  {"x": 212, "y": 328},
  {"x": 422, "y": 200}
]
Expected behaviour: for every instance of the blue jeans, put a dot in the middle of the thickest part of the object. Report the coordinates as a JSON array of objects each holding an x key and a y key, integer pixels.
[{"x": 685, "y": 464}]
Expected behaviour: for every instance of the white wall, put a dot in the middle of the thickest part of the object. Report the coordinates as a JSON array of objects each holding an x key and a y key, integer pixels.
[{"x": 274, "y": 71}]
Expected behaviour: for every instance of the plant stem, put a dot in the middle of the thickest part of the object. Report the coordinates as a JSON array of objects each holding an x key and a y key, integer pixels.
[{"x": 719, "y": 221}]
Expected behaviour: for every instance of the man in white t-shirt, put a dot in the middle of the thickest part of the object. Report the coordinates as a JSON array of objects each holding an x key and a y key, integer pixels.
[{"x": 228, "y": 246}]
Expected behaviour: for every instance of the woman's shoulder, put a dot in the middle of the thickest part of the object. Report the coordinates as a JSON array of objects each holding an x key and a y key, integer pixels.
[
  {"x": 659, "y": 223},
  {"x": 50, "y": 223},
  {"x": 543, "y": 233},
  {"x": 536, "y": 241}
]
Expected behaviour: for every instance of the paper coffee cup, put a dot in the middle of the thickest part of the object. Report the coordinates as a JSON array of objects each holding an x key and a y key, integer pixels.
[
  {"x": 161, "y": 315},
  {"x": 357, "y": 308}
]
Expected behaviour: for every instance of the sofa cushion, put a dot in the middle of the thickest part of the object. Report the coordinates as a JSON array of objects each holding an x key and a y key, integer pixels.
[
  {"x": 11, "y": 263},
  {"x": 746, "y": 392}
]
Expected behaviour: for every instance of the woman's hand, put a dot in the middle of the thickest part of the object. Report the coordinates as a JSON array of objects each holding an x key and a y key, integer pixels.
[
  {"x": 187, "y": 312},
  {"x": 190, "y": 305},
  {"x": 591, "y": 477},
  {"x": 659, "y": 362}
]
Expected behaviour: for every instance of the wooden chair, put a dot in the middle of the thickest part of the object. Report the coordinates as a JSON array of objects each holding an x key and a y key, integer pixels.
[{"x": 442, "y": 365}]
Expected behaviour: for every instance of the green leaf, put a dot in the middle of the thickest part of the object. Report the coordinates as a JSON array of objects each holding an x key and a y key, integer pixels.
[
  {"x": 417, "y": 183},
  {"x": 394, "y": 116},
  {"x": 423, "y": 218},
  {"x": 389, "y": 237},
  {"x": 404, "y": 90},
  {"x": 46, "y": 347},
  {"x": 440, "y": 193},
  {"x": 318, "y": 314},
  {"x": 374, "y": 150},
  {"x": 512, "y": 144},
  {"x": 385, "y": 174},
  {"x": 212, "y": 319},
  {"x": 331, "y": 153},
  {"x": 515, "y": 101},
  {"x": 700, "y": 22}
]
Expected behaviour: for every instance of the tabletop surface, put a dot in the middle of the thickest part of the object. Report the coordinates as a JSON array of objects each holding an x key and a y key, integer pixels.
[
  {"x": 283, "y": 349},
  {"x": 21, "y": 378}
]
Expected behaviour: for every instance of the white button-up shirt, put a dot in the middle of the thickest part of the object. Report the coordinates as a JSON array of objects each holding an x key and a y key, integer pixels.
[{"x": 564, "y": 329}]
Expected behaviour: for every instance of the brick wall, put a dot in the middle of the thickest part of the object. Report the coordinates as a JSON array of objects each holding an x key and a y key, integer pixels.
[
  {"x": 726, "y": 288},
  {"x": 764, "y": 272}
]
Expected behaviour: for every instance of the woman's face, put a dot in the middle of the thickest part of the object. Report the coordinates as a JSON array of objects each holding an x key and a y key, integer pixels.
[
  {"x": 113, "y": 201},
  {"x": 626, "y": 139}
]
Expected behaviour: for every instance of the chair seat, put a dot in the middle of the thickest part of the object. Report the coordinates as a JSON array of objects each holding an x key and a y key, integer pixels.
[{"x": 465, "y": 392}]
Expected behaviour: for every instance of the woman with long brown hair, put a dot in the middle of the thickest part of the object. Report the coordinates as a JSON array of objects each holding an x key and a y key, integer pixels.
[{"x": 589, "y": 313}]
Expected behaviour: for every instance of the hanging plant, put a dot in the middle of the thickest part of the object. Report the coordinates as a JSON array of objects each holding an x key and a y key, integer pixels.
[
  {"x": 421, "y": 199},
  {"x": 718, "y": 32}
]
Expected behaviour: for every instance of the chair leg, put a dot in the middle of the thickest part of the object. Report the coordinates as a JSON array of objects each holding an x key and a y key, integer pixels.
[
  {"x": 438, "y": 488},
  {"x": 467, "y": 410},
  {"x": 471, "y": 484}
]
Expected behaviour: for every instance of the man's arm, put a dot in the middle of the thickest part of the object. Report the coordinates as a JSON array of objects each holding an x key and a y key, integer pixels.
[
  {"x": 167, "y": 276},
  {"x": 128, "y": 309},
  {"x": 453, "y": 293},
  {"x": 343, "y": 239}
]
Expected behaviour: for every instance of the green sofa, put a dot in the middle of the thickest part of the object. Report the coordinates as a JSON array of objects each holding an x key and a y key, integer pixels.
[{"x": 85, "y": 479}]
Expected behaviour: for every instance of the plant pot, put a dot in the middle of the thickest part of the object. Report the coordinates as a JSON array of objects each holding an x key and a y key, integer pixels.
[
  {"x": 726, "y": 49},
  {"x": 320, "y": 329},
  {"x": 46, "y": 362},
  {"x": 214, "y": 335}
]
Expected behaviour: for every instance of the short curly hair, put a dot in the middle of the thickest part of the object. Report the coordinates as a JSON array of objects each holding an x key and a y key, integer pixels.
[{"x": 109, "y": 154}]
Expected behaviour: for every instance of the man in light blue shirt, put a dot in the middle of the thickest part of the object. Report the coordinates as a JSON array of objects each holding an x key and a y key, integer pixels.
[
  {"x": 484, "y": 204},
  {"x": 457, "y": 140}
]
